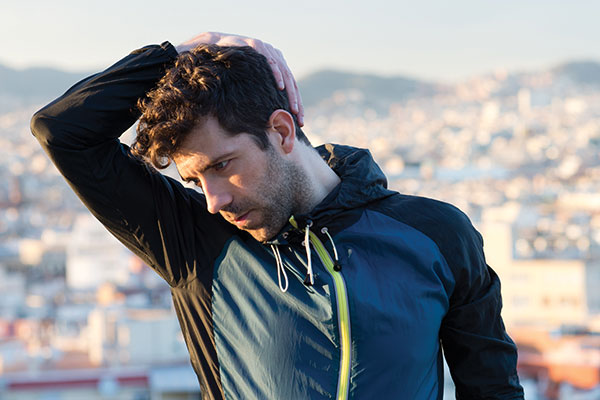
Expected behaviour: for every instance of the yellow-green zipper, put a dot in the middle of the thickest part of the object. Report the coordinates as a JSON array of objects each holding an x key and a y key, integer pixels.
[{"x": 343, "y": 314}]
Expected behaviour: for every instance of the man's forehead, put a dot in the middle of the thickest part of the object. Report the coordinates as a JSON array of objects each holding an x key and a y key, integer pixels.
[
  {"x": 205, "y": 142},
  {"x": 208, "y": 145},
  {"x": 191, "y": 163}
]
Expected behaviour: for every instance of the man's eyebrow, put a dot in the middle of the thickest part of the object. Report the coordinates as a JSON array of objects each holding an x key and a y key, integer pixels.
[
  {"x": 217, "y": 160},
  {"x": 208, "y": 166}
]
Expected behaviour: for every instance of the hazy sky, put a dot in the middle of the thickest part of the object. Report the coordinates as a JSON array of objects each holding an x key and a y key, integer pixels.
[{"x": 440, "y": 40}]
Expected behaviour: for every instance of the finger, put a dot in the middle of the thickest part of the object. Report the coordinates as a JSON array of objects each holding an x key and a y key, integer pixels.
[
  {"x": 291, "y": 91},
  {"x": 290, "y": 86},
  {"x": 300, "y": 106},
  {"x": 287, "y": 79},
  {"x": 277, "y": 74},
  {"x": 300, "y": 114},
  {"x": 275, "y": 63}
]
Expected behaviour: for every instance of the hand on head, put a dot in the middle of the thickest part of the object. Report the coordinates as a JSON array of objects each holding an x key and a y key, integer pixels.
[{"x": 281, "y": 71}]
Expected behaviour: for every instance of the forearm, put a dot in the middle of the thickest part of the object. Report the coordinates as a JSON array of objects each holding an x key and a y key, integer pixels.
[{"x": 481, "y": 356}]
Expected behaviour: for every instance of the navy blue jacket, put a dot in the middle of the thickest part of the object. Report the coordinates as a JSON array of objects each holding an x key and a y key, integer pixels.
[{"x": 397, "y": 279}]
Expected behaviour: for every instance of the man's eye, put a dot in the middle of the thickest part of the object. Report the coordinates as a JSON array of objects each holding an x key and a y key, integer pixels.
[{"x": 220, "y": 165}]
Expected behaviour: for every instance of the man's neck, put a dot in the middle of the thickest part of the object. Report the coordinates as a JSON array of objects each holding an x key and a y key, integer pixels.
[{"x": 321, "y": 178}]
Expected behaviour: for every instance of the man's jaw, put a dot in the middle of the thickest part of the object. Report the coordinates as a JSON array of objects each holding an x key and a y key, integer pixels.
[{"x": 246, "y": 222}]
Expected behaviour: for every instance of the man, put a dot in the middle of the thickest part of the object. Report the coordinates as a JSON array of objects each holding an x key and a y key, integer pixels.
[{"x": 297, "y": 274}]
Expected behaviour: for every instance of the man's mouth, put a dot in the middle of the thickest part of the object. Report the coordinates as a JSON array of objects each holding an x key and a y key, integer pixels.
[{"x": 241, "y": 220}]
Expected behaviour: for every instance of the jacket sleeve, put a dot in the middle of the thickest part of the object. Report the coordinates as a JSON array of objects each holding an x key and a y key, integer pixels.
[
  {"x": 153, "y": 215},
  {"x": 481, "y": 356}
]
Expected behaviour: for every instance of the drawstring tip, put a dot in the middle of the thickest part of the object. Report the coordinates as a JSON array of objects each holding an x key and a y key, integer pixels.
[
  {"x": 337, "y": 266},
  {"x": 307, "y": 281}
]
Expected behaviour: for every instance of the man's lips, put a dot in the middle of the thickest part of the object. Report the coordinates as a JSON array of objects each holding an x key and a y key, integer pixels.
[{"x": 242, "y": 219}]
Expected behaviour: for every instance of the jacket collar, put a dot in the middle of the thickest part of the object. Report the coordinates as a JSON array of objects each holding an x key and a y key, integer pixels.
[{"x": 362, "y": 181}]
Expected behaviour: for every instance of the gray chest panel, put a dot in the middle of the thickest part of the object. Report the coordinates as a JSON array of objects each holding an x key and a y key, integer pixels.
[{"x": 263, "y": 335}]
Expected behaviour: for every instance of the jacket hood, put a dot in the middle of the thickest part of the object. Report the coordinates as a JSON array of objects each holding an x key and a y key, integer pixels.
[{"x": 362, "y": 181}]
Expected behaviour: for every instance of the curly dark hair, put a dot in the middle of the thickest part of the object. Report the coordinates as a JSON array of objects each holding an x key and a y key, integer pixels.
[{"x": 233, "y": 84}]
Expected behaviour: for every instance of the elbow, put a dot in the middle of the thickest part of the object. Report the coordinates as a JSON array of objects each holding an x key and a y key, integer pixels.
[{"x": 39, "y": 126}]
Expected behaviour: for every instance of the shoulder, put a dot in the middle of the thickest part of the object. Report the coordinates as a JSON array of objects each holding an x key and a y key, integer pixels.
[
  {"x": 458, "y": 241},
  {"x": 437, "y": 219}
]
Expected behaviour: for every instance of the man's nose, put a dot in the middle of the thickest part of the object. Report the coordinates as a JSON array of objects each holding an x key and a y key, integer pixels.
[{"x": 217, "y": 197}]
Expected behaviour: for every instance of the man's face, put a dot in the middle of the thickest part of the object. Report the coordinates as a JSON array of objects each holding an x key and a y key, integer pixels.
[{"x": 250, "y": 187}]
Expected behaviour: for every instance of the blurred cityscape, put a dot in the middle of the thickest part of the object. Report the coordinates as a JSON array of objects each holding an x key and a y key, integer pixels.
[{"x": 81, "y": 317}]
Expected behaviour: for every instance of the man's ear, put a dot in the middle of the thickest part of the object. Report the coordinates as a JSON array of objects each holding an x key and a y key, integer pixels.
[{"x": 282, "y": 130}]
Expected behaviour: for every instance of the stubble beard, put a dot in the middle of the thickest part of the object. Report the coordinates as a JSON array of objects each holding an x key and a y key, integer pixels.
[{"x": 284, "y": 191}]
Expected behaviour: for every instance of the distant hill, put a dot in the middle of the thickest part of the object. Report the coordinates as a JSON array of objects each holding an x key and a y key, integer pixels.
[
  {"x": 39, "y": 85},
  {"x": 35, "y": 84},
  {"x": 44, "y": 82},
  {"x": 566, "y": 79},
  {"x": 323, "y": 84},
  {"x": 579, "y": 72}
]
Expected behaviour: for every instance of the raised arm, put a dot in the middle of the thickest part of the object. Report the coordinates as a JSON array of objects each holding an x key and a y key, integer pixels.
[
  {"x": 80, "y": 130},
  {"x": 164, "y": 223}
]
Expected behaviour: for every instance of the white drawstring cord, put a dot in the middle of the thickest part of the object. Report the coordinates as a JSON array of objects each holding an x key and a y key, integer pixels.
[
  {"x": 280, "y": 268},
  {"x": 336, "y": 265},
  {"x": 325, "y": 231},
  {"x": 310, "y": 277}
]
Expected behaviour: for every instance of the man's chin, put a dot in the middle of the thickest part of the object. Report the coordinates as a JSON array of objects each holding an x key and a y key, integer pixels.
[
  {"x": 260, "y": 228},
  {"x": 264, "y": 233},
  {"x": 261, "y": 234}
]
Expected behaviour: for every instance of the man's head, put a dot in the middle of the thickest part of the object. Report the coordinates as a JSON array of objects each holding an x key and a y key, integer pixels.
[
  {"x": 219, "y": 115},
  {"x": 233, "y": 84},
  {"x": 254, "y": 189}
]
